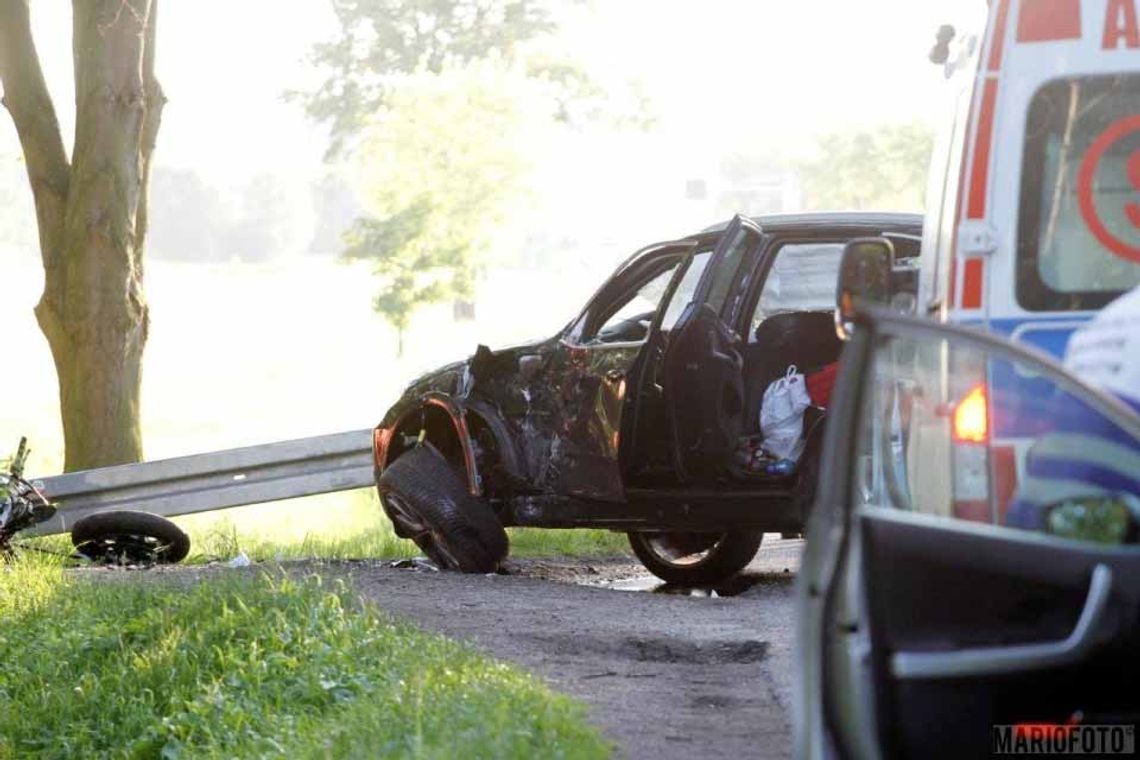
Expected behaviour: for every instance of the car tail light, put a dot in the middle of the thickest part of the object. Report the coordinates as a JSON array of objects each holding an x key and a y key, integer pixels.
[
  {"x": 972, "y": 417},
  {"x": 969, "y": 431}
]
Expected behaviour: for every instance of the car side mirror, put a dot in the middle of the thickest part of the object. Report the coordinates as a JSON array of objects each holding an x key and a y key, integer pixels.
[
  {"x": 864, "y": 279},
  {"x": 1103, "y": 519}
]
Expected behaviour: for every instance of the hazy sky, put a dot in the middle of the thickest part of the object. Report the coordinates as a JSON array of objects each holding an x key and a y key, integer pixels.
[{"x": 718, "y": 72}]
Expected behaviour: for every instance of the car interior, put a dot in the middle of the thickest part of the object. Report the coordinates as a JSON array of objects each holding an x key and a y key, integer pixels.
[
  {"x": 793, "y": 325},
  {"x": 710, "y": 413},
  {"x": 790, "y": 324}
]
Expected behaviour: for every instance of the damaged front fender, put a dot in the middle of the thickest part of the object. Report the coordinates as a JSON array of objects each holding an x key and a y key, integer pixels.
[
  {"x": 462, "y": 409},
  {"x": 436, "y": 418}
]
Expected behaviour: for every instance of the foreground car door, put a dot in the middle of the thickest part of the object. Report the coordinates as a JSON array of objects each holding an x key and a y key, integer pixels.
[
  {"x": 964, "y": 593},
  {"x": 591, "y": 367}
]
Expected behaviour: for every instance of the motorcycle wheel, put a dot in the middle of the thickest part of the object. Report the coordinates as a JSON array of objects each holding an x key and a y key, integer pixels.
[{"x": 129, "y": 538}]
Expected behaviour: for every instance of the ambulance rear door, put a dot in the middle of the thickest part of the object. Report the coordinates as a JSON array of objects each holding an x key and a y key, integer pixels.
[{"x": 1049, "y": 207}]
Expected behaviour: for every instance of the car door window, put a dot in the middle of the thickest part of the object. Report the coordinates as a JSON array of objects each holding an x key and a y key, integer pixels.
[
  {"x": 686, "y": 289},
  {"x": 726, "y": 286},
  {"x": 802, "y": 278},
  {"x": 955, "y": 430},
  {"x": 632, "y": 312}
]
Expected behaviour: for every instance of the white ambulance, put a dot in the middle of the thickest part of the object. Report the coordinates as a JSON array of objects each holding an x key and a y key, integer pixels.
[
  {"x": 1033, "y": 208},
  {"x": 1033, "y": 202},
  {"x": 1033, "y": 205}
]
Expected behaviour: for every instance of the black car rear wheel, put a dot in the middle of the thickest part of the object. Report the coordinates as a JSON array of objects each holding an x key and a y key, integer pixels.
[
  {"x": 692, "y": 559},
  {"x": 427, "y": 501}
]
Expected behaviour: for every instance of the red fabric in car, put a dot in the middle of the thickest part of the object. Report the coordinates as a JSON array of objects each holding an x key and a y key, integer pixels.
[{"x": 820, "y": 383}]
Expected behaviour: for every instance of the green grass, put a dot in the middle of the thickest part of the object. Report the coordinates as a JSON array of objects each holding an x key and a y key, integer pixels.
[
  {"x": 539, "y": 542},
  {"x": 223, "y": 541},
  {"x": 252, "y": 666},
  {"x": 355, "y": 527}
]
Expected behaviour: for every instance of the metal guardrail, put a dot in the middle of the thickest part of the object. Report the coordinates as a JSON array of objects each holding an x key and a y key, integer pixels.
[{"x": 217, "y": 480}]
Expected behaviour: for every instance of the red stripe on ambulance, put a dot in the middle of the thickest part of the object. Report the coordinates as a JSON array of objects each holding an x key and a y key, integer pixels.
[
  {"x": 983, "y": 141},
  {"x": 972, "y": 272},
  {"x": 1049, "y": 20},
  {"x": 997, "y": 48}
]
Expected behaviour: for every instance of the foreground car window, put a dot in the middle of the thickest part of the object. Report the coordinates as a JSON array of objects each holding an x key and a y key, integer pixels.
[{"x": 953, "y": 431}]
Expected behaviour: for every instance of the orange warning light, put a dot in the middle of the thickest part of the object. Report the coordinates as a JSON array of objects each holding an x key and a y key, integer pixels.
[{"x": 971, "y": 417}]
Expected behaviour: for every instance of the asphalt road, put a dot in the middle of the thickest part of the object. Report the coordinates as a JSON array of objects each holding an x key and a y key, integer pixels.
[{"x": 664, "y": 675}]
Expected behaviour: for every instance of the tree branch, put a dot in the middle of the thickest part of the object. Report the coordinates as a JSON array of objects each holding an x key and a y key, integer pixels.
[{"x": 27, "y": 99}]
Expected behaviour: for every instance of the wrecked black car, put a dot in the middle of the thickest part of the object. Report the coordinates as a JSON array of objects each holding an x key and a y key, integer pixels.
[{"x": 643, "y": 414}]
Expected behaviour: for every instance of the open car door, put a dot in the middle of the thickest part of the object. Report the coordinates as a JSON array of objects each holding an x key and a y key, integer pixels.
[
  {"x": 971, "y": 582},
  {"x": 704, "y": 385}
]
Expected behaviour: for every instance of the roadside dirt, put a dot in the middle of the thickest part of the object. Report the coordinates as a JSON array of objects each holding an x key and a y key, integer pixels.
[{"x": 665, "y": 675}]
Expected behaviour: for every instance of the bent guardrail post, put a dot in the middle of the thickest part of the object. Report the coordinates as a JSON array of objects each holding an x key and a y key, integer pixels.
[{"x": 216, "y": 480}]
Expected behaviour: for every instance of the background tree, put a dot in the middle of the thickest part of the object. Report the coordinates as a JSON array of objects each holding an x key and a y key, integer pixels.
[
  {"x": 440, "y": 173},
  {"x": 884, "y": 168},
  {"x": 274, "y": 219},
  {"x": 381, "y": 41},
  {"x": 91, "y": 213},
  {"x": 444, "y": 167},
  {"x": 187, "y": 217},
  {"x": 335, "y": 207}
]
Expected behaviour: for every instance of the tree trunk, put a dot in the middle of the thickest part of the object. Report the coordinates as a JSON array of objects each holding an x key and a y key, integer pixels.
[{"x": 93, "y": 219}]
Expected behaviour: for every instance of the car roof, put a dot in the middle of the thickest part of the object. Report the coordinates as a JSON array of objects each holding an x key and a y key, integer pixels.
[
  {"x": 885, "y": 220},
  {"x": 869, "y": 222}
]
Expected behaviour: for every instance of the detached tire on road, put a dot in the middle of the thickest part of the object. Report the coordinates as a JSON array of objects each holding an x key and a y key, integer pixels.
[
  {"x": 695, "y": 559},
  {"x": 129, "y": 537},
  {"x": 427, "y": 501}
]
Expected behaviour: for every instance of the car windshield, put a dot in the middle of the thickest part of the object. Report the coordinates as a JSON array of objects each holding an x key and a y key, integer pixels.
[{"x": 1079, "y": 236}]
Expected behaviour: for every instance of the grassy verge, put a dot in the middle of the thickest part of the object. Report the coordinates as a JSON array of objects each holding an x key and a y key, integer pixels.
[
  {"x": 223, "y": 541},
  {"x": 353, "y": 526},
  {"x": 345, "y": 526},
  {"x": 252, "y": 666}
]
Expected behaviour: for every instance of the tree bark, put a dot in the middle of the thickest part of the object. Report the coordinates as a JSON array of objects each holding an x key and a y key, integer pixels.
[{"x": 92, "y": 214}]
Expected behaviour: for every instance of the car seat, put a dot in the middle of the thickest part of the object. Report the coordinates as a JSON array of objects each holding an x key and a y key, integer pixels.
[{"x": 806, "y": 339}]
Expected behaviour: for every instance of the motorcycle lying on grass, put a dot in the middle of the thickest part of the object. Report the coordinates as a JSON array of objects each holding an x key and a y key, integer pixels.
[{"x": 121, "y": 537}]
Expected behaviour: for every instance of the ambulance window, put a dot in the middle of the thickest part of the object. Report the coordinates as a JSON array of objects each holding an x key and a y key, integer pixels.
[
  {"x": 1079, "y": 227},
  {"x": 802, "y": 278}
]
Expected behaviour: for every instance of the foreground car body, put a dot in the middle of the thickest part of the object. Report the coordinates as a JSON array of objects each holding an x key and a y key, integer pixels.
[
  {"x": 629, "y": 417},
  {"x": 936, "y": 622}
]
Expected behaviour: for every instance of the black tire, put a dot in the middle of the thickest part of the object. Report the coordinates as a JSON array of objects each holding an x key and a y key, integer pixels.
[
  {"x": 428, "y": 502},
  {"x": 129, "y": 537},
  {"x": 677, "y": 557}
]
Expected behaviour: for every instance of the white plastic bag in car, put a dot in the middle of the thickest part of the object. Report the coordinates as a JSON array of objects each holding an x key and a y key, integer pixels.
[{"x": 782, "y": 415}]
